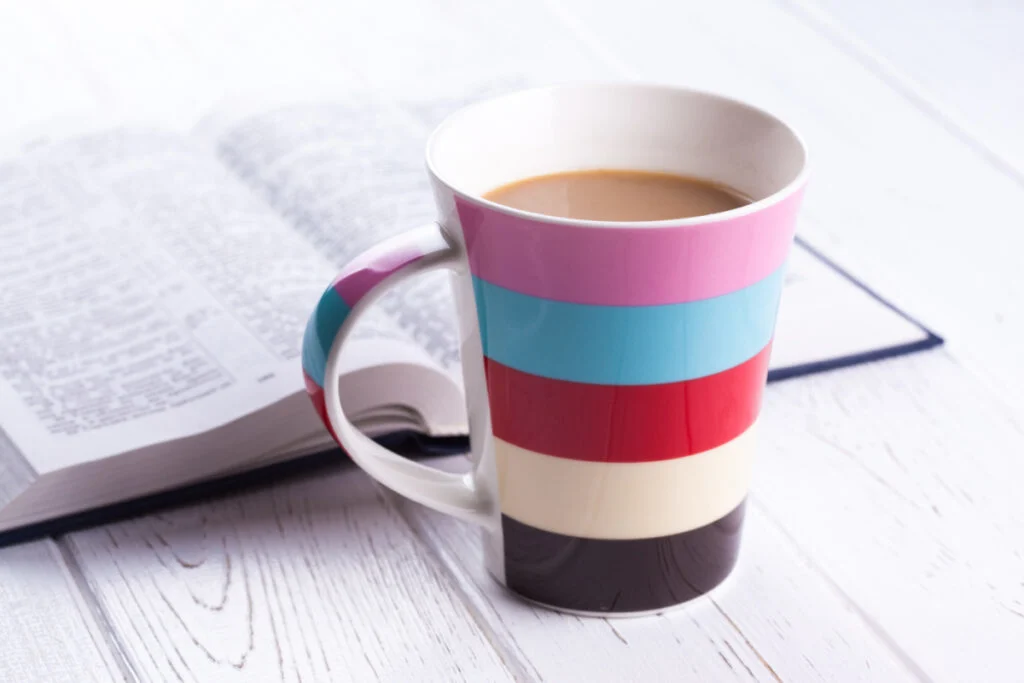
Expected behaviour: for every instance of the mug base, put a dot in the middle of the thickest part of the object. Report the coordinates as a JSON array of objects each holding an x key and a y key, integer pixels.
[
  {"x": 677, "y": 607},
  {"x": 631, "y": 577}
]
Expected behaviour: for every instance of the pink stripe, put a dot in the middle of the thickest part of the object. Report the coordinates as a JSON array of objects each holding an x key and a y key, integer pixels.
[
  {"x": 316, "y": 394},
  {"x": 634, "y": 266},
  {"x": 356, "y": 280}
]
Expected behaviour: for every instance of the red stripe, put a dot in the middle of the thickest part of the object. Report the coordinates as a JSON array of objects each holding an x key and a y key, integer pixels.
[
  {"x": 316, "y": 395},
  {"x": 642, "y": 423}
]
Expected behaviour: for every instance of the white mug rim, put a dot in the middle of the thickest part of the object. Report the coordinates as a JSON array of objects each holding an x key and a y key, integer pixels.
[{"x": 756, "y": 206}]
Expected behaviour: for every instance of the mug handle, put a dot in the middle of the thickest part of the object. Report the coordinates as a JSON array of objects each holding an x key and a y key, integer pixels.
[{"x": 360, "y": 283}]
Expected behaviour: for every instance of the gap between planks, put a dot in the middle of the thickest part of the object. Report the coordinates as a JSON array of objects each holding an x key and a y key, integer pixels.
[
  {"x": 822, "y": 22},
  {"x": 64, "y": 553},
  {"x": 476, "y": 603},
  {"x": 872, "y": 624}
]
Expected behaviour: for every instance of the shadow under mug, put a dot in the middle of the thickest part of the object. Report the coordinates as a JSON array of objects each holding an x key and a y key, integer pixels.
[{"x": 613, "y": 370}]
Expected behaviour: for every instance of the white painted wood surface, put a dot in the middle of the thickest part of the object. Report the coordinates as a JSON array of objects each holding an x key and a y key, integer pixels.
[
  {"x": 901, "y": 488},
  {"x": 48, "y": 627},
  {"x": 316, "y": 579},
  {"x": 886, "y": 535},
  {"x": 960, "y": 60}
]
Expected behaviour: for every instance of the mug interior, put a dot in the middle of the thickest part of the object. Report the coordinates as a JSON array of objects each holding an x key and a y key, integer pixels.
[{"x": 621, "y": 126}]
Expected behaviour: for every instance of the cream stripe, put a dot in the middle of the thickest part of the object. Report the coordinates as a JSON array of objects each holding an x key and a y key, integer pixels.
[{"x": 623, "y": 500}]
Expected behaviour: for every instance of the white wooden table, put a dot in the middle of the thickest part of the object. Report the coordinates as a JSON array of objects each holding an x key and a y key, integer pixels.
[{"x": 885, "y": 539}]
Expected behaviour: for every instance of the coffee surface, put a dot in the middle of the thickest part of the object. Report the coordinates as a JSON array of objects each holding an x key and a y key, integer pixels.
[{"x": 617, "y": 195}]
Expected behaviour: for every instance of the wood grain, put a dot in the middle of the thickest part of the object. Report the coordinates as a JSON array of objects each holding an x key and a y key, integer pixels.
[
  {"x": 47, "y": 628},
  {"x": 316, "y": 579},
  {"x": 774, "y": 619},
  {"x": 900, "y": 482}
]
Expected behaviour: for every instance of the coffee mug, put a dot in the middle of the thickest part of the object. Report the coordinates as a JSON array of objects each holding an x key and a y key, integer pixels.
[{"x": 613, "y": 370}]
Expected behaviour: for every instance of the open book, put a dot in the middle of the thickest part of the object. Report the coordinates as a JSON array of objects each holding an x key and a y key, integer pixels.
[{"x": 154, "y": 288}]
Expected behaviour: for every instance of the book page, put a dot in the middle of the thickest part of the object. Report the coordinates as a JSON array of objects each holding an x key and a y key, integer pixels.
[
  {"x": 145, "y": 294},
  {"x": 346, "y": 176}
]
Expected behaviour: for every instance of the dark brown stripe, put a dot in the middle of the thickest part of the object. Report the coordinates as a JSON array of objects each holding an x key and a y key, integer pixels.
[{"x": 596, "y": 575}]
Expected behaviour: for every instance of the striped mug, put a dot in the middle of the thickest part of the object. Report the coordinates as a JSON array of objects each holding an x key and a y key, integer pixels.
[{"x": 613, "y": 370}]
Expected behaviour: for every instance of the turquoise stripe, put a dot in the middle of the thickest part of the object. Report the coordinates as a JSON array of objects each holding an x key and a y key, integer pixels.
[
  {"x": 321, "y": 330},
  {"x": 626, "y": 345}
]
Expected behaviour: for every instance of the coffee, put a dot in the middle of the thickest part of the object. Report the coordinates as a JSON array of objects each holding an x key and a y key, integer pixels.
[{"x": 617, "y": 195}]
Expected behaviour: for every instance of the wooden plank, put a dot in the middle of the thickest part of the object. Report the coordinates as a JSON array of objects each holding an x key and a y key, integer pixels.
[
  {"x": 37, "y": 72},
  {"x": 317, "y": 579},
  {"x": 435, "y": 48},
  {"x": 959, "y": 61},
  {"x": 900, "y": 481},
  {"x": 46, "y": 625},
  {"x": 774, "y": 619},
  {"x": 159, "y": 64}
]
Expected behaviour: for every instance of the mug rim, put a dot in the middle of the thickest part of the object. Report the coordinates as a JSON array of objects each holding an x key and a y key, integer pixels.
[{"x": 753, "y": 207}]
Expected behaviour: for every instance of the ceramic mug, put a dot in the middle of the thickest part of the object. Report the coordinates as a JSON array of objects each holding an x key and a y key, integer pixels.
[{"x": 613, "y": 370}]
